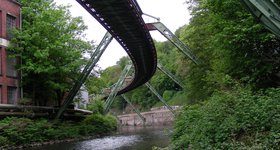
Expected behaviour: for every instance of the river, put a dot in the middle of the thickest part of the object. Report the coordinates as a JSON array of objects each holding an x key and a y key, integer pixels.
[{"x": 127, "y": 138}]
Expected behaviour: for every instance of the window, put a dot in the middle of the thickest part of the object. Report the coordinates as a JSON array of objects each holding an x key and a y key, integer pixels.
[
  {"x": 11, "y": 23},
  {"x": 0, "y": 60},
  {"x": 12, "y": 94},
  {"x": 0, "y": 94},
  {"x": 0, "y": 23},
  {"x": 11, "y": 66}
]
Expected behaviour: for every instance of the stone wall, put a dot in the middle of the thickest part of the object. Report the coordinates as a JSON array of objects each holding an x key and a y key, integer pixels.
[{"x": 155, "y": 117}]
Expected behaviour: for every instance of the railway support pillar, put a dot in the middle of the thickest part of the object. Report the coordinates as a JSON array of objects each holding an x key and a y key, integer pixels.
[
  {"x": 265, "y": 11},
  {"x": 173, "y": 39},
  {"x": 116, "y": 88},
  {"x": 86, "y": 71},
  {"x": 135, "y": 109},
  {"x": 159, "y": 97},
  {"x": 169, "y": 74}
]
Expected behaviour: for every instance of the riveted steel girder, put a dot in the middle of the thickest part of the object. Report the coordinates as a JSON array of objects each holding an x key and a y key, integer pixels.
[
  {"x": 116, "y": 88},
  {"x": 135, "y": 109},
  {"x": 173, "y": 39},
  {"x": 158, "y": 96},
  {"x": 265, "y": 11},
  {"x": 86, "y": 71},
  {"x": 169, "y": 74}
]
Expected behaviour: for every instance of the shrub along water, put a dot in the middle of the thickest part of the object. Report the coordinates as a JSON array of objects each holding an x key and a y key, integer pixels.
[
  {"x": 19, "y": 131},
  {"x": 238, "y": 119}
]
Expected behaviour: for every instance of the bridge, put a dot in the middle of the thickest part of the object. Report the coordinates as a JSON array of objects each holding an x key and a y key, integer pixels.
[{"x": 123, "y": 21}]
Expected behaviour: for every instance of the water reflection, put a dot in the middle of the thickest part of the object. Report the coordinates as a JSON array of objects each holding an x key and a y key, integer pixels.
[
  {"x": 127, "y": 138},
  {"x": 108, "y": 143}
]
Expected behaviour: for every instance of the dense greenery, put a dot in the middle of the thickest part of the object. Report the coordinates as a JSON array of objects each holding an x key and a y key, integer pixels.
[
  {"x": 232, "y": 96},
  {"x": 18, "y": 131},
  {"x": 51, "y": 46},
  {"x": 235, "y": 50},
  {"x": 237, "y": 119}
]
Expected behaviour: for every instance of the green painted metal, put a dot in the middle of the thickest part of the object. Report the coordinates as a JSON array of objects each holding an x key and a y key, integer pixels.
[
  {"x": 135, "y": 109},
  {"x": 174, "y": 40},
  {"x": 267, "y": 12},
  {"x": 86, "y": 71},
  {"x": 159, "y": 97},
  {"x": 116, "y": 88},
  {"x": 169, "y": 74}
]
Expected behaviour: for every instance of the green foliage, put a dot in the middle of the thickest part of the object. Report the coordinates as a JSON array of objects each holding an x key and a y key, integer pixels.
[
  {"x": 17, "y": 131},
  {"x": 101, "y": 123},
  {"x": 51, "y": 48},
  {"x": 231, "y": 120},
  {"x": 167, "y": 95},
  {"x": 97, "y": 107}
]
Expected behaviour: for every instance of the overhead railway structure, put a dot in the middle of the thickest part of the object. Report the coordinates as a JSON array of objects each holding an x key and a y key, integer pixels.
[{"x": 123, "y": 19}]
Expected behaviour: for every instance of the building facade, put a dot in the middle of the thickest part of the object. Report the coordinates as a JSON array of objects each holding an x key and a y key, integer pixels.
[{"x": 10, "y": 17}]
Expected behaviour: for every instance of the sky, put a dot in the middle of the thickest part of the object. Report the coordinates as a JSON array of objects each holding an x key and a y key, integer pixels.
[{"x": 172, "y": 13}]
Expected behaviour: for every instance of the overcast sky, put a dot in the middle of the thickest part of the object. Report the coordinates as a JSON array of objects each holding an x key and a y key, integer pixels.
[{"x": 172, "y": 13}]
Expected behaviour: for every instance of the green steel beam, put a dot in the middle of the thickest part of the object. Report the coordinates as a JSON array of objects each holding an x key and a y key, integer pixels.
[
  {"x": 173, "y": 39},
  {"x": 135, "y": 109},
  {"x": 116, "y": 88},
  {"x": 267, "y": 12},
  {"x": 159, "y": 97},
  {"x": 85, "y": 73},
  {"x": 169, "y": 74}
]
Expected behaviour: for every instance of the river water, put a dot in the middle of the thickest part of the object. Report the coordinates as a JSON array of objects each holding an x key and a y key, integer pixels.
[{"x": 127, "y": 138}]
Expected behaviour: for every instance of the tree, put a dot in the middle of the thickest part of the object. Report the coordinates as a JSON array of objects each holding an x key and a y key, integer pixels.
[{"x": 51, "y": 45}]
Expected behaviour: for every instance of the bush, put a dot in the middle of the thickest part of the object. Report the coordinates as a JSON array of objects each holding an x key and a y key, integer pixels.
[
  {"x": 97, "y": 107},
  {"x": 101, "y": 123},
  {"x": 167, "y": 95},
  {"x": 231, "y": 120},
  {"x": 17, "y": 131},
  {"x": 3, "y": 141}
]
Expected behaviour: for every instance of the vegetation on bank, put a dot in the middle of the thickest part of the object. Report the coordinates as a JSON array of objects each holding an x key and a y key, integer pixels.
[
  {"x": 232, "y": 97},
  {"x": 19, "y": 131},
  {"x": 51, "y": 45},
  {"x": 234, "y": 120}
]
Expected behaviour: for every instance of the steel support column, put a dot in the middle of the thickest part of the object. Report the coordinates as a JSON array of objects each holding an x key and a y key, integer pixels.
[
  {"x": 135, "y": 109},
  {"x": 267, "y": 12},
  {"x": 173, "y": 39},
  {"x": 159, "y": 97},
  {"x": 116, "y": 88},
  {"x": 169, "y": 74},
  {"x": 86, "y": 71}
]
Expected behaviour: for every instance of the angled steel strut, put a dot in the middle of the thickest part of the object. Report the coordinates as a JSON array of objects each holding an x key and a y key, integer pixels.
[
  {"x": 169, "y": 74},
  {"x": 174, "y": 39},
  {"x": 135, "y": 109},
  {"x": 159, "y": 97},
  {"x": 88, "y": 68},
  {"x": 267, "y": 12},
  {"x": 116, "y": 88}
]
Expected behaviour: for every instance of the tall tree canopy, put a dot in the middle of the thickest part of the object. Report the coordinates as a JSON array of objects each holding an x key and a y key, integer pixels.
[
  {"x": 51, "y": 45},
  {"x": 236, "y": 80}
]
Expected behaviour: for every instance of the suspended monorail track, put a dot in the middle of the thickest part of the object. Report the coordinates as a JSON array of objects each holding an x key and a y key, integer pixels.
[{"x": 123, "y": 19}]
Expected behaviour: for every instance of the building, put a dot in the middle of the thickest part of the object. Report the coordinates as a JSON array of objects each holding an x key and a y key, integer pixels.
[
  {"x": 82, "y": 98},
  {"x": 10, "y": 17}
]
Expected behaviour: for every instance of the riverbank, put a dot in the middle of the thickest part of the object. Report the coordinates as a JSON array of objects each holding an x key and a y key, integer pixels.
[
  {"x": 157, "y": 116},
  {"x": 51, "y": 142},
  {"x": 136, "y": 138},
  {"x": 24, "y": 132}
]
